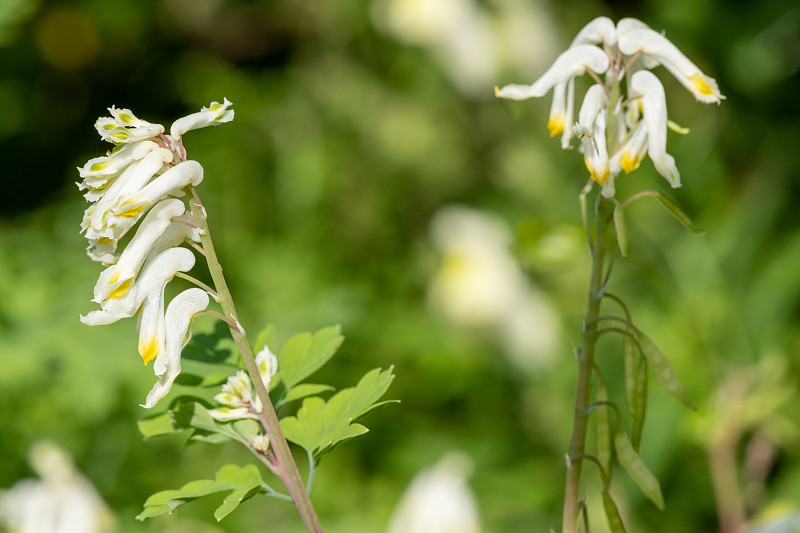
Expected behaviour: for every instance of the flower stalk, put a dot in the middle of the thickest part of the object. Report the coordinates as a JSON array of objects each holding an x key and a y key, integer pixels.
[
  {"x": 286, "y": 468},
  {"x": 585, "y": 356}
]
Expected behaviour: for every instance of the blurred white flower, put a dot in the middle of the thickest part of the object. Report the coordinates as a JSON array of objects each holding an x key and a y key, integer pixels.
[
  {"x": 62, "y": 500},
  {"x": 480, "y": 284},
  {"x": 438, "y": 500},
  {"x": 615, "y": 128},
  {"x": 471, "y": 43}
]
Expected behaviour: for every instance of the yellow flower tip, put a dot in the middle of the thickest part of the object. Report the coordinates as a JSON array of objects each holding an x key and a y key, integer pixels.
[
  {"x": 628, "y": 163},
  {"x": 149, "y": 349},
  {"x": 555, "y": 125},
  {"x": 132, "y": 211},
  {"x": 600, "y": 176},
  {"x": 121, "y": 290},
  {"x": 701, "y": 85},
  {"x": 105, "y": 240},
  {"x": 496, "y": 90}
]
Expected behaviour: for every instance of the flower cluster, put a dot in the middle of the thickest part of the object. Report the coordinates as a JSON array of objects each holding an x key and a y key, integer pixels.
[
  {"x": 238, "y": 398},
  {"x": 617, "y": 132},
  {"x": 137, "y": 184}
]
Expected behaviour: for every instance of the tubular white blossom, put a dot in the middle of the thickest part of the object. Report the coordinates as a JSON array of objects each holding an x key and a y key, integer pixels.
[
  {"x": 124, "y": 127},
  {"x": 654, "y": 113},
  {"x": 153, "y": 276},
  {"x": 212, "y": 115},
  {"x": 574, "y": 62},
  {"x": 115, "y": 281},
  {"x": 600, "y": 30},
  {"x": 177, "y": 326},
  {"x": 169, "y": 183},
  {"x": 592, "y": 128},
  {"x": 657, "y": 47}
]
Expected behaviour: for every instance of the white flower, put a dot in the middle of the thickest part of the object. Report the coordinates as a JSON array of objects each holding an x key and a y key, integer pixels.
[
  {"x": 124, "y": 127},
  {"x": 177, "y": 331},
  {"x": 438, "y": 500},
  {"x": 212, "y": 115},
  {"x": 267, "y": 365},
  {"x": 237, "y": 397},
  {"x": 62, "y": 500},
  {"x": 260, "y": 443},
  {"x": 624, "y": 51}
]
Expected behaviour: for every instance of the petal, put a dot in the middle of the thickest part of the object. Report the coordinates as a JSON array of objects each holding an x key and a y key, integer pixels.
[
  {"x": 124, "y": 127},
  {"x": 177, "y": 324},
  {"x": 574, "y": 62},
  {"x": 212, "y": 115},
  {"x": 570, "y": 112},
  {"x": 592, "y": 121},
  {"x": 152, "y": 227},
  {"x": 151, "y": 329},
  {"x": 558, "y": 110},
  {"x": 226, "y": 414},
  {"x": 600, "y": 30},
  {"x": 658, "y": 47},
  {"x": 169, "y": 183},
  {"x": 654, "y": 114},
  {"x": 267, "y": 365}
]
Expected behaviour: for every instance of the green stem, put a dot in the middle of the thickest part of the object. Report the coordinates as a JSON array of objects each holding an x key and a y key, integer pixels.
[
  {"x": 586, "y": 353},
  {"x": 285, "y": 464}
]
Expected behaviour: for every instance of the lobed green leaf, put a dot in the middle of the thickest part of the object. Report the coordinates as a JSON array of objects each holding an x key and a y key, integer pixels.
[{"x": 304, "y": 354}]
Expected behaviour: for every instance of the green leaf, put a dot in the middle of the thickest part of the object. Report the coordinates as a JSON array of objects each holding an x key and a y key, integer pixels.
[
  {"x": 319, "y": 426},
  {"x": 157, "y": 425},
  {"x": 671, "y": 206},
  {"x": 303, "y": 390},
  {"x": 663, "y": 369},
  {"x": 246, "y": 428},
  {"x": 304, "y": 354},
  {"x": 243, "y": 483},
  {"x": 622, "y": 232}
]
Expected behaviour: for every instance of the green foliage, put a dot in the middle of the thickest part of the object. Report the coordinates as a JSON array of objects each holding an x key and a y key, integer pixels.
[
  {"x": 241, "y": 483},
  {"x": 320, "y": 426}
]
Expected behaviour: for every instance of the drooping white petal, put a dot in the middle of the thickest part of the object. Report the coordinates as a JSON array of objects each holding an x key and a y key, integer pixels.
[
  {"x": 658, "y": 47},
  {"x": 557, "y": 120},
  {"x": 153, "y": 276},
  {"x": 645, "y": 84},
  {"x": 597, "y": 31},
  {"x": 212, "y": 115},
  {"x": 152, "y": 328},
  {"x": 115, "y": 281},
  {"x": 177, "y": 325},
  {"x": 574, "y": 62},
  {"x": 169, "y": 183},
  {"x": 592, "y": 128}
]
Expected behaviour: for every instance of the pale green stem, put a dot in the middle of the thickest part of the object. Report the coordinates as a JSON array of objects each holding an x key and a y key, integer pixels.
[
  {"x": 284, "y": 462},
  {"x": 585, "y": 365}
]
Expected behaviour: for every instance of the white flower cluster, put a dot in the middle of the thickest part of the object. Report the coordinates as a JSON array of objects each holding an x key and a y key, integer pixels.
[
  {"x": 140, "y": 178},
  {"x": 238, "y": 398},
  {"x": 616, "y": 132}
]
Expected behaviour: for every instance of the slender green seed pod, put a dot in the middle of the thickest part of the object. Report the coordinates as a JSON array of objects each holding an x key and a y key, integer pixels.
[
  {"x": 664, "y": 371},
  {"x": 629, "y": 358},
  {"x": 622, "y": 231},
  {"x": 612, "y": 514},
  {"x": 603, "y": 425},
  {"x": 639, "y": 403},
  {"x": 637, "y": 470}
]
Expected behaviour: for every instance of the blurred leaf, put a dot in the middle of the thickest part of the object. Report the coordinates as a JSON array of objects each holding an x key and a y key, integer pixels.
[
  {"x": 157, "y": 425},
  {"x": 303, "y": 354},
  {"x": 663, "y": 369}
]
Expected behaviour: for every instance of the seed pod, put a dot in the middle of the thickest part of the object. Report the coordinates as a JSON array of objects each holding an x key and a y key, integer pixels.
[
  {"x": 664, "y": 371},
  {"x": 612, "y": 514},
  {"x": 630, "y": 359},
  {"x": 639, "y": 403},
  {"x": 622, "y": 231},
  {"x": 603, "y": 425},
  {"x": 637, "y": 470}
]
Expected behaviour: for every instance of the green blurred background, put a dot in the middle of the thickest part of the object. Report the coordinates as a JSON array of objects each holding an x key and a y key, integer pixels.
[{"x": 356, "y": 122}]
